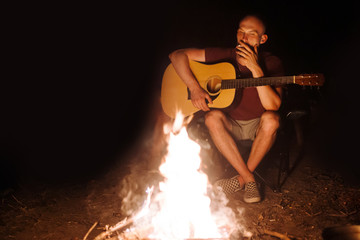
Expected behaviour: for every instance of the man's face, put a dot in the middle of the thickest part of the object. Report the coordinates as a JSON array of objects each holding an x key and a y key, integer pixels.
[{"x": 251, "y": 31}]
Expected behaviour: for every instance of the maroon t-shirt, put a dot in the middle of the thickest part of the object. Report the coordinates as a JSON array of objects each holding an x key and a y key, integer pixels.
[{"x": 247, "y": 101}]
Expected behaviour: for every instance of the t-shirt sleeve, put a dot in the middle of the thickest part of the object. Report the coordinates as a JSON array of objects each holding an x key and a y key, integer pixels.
[{"x": 213, "y": 55}]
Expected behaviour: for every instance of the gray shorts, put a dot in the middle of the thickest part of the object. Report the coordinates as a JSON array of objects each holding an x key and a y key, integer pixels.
[{"x": 245, "y": 129}]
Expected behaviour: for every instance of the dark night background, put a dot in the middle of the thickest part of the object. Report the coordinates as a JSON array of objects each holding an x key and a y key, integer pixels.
[{"x": 81, "y": 80}]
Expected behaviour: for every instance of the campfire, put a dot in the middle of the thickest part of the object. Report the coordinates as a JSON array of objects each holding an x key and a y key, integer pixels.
[{"x": 184, "y": 205}]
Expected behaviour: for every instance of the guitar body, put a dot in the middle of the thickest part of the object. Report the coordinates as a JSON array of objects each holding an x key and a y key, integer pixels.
[
  {"x": 219, "y": 80},
  {"x": 175, "y": 95}
]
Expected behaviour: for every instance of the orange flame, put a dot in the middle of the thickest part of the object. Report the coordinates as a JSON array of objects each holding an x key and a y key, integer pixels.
[{"x": 182, "y": 208}]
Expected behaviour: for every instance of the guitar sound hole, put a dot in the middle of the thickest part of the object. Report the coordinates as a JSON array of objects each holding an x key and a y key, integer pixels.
[{"x": 213, "y": 85}]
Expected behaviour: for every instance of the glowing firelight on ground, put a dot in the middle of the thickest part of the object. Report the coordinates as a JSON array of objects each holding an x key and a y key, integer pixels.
[{"x": 182, "y": 208}]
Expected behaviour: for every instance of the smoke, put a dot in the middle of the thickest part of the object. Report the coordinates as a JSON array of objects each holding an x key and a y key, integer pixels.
[
  {"x": 133, "y": 187},
  {"x": 143, "y": 175}
]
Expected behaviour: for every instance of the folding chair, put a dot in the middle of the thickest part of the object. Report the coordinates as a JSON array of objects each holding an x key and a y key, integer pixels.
[{"x": 278, "y": 157}]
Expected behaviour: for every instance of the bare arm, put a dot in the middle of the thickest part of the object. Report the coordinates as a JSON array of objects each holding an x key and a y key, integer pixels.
[
  {"x": 180, "y": 60},
  {"x": 270, "y": 98}
]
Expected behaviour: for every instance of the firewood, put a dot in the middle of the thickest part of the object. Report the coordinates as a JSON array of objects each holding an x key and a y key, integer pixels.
[{"x": 276, "y": 234}]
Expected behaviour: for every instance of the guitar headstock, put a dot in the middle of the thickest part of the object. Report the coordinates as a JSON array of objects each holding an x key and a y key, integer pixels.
[{"x": 310, "y": 79}]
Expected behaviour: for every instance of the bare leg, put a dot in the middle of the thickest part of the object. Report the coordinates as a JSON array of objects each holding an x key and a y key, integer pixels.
[
  {"x": 265, "y": 137},
  {"x": 219, "y": 127}
]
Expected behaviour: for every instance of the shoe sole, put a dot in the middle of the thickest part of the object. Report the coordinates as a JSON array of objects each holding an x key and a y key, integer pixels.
[{"x": 253, "y": 200}]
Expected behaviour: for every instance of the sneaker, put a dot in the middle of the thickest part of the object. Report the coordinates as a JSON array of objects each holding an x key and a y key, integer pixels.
[
  {"x": 229, "y": 186},
  {"x": 252, "y": 194}
]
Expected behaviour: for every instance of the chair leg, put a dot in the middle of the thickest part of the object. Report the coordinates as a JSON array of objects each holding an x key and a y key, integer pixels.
[
  {"x": 281, "y": 154},
  {"x": 273, "y": 187},
  {"x": 283, "y": 170}
]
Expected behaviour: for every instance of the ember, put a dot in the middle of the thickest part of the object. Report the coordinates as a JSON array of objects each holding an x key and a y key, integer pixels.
[{"x": 181, "y": 207}]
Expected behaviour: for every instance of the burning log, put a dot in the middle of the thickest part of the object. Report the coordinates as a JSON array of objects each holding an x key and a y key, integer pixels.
[
  {"x": 127, "y": 222},
  {"x": 118, "y": 227}
]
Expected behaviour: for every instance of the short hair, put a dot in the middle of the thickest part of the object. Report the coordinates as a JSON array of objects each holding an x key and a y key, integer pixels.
[{"x": 261, "y": 17}]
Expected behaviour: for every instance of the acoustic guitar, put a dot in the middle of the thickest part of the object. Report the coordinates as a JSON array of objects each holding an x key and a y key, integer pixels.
[{"x": 219, "y": 80}]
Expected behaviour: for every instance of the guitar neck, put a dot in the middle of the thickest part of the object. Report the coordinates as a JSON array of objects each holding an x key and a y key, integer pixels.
[{"x": 255, "y": 82}]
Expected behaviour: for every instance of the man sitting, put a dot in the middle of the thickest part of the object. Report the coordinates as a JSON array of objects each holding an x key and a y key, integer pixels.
[{"x": 254, "y": 114}]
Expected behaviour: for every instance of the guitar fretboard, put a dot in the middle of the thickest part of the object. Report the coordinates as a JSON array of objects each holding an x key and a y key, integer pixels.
[{"x": 255, "y": 82}]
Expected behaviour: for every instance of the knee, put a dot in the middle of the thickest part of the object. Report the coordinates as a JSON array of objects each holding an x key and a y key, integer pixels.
[
  {"x": 213, "y": 118},
  {"x": 270, "y": 122}
]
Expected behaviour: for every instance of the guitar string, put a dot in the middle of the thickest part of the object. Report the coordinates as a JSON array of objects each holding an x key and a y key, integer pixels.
[{"x": 249, "y": 82}]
